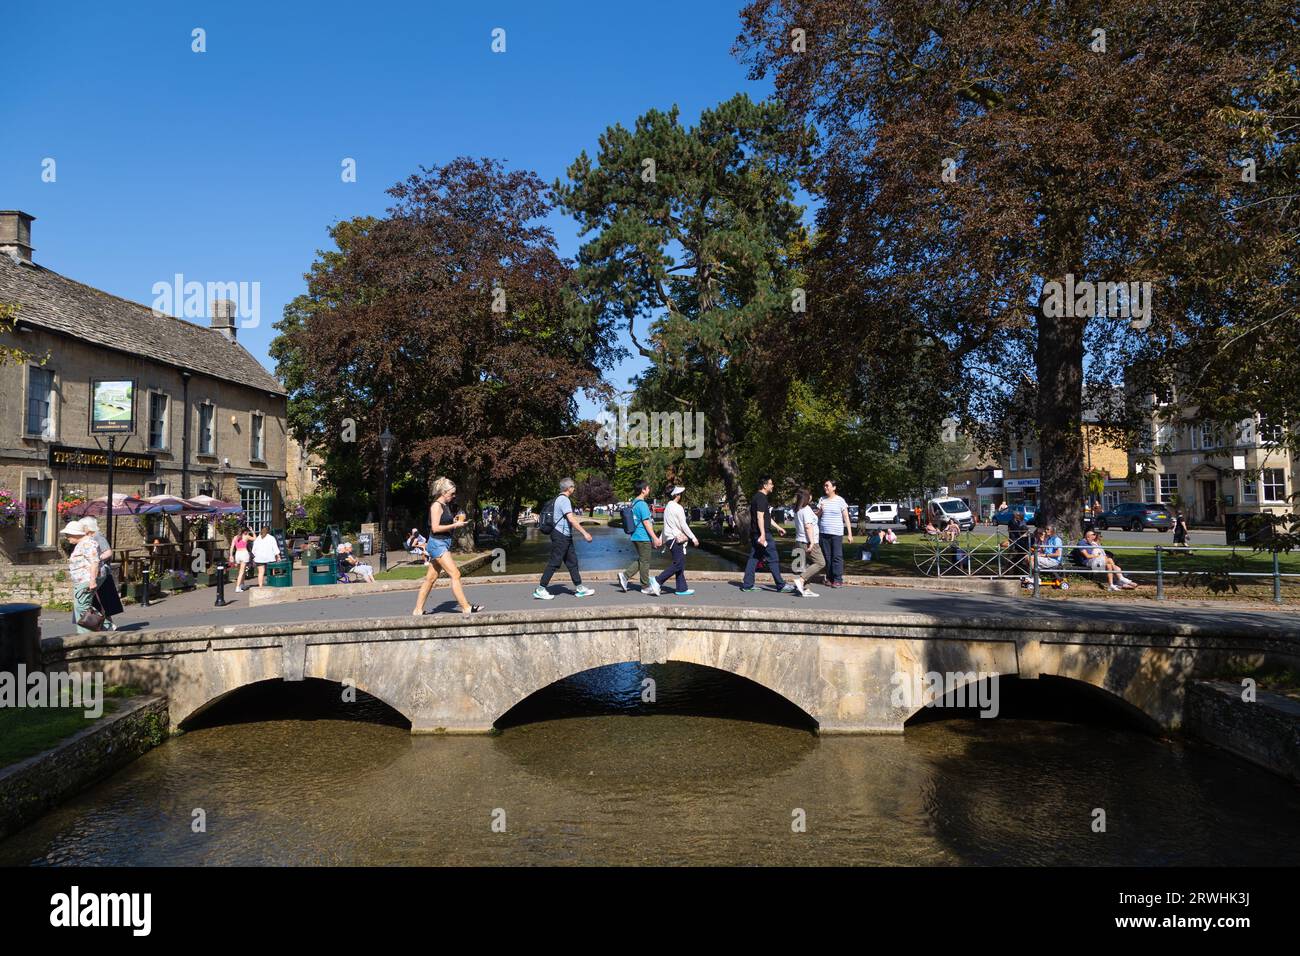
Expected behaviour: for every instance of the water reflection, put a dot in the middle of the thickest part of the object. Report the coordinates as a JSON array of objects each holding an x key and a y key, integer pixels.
[{"x": 601, "y": 776}]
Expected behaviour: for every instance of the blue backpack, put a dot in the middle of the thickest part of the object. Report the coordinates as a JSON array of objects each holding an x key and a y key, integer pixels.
[{"x": 629, "y": 519}]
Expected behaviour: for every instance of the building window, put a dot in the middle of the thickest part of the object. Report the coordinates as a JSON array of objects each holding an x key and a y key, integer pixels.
[
  {"x": 1209, "y": 437},
  {"x": 314, "y": 473},
  {"x": 1249, "y": 491},
  {"x": 157, "y": 420},
  {"x": 1028, "y": 457},
  {"x": 1168, "y": 486},
  {"x": 256, "y": 438},
  {"x": 1149, "y": 491},
  {"x": 1166, "y": 438},
  {"x": 1274, "y": 481},
  {"x": 1269, "y": 433},
  {"x": 36, "y": 523},
  {"x": 256, "y": 503},
  {"x": 40, "y": 402},
  {"x": 1011, "y": 461},
  {"x": 207, "y": 436}
]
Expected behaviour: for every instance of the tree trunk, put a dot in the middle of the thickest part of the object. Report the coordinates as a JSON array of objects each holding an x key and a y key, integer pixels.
[
  {"x": 725, "y": 455},
  {"x": 1058, "y": 358},
  {"x": 467, "y": 497}
]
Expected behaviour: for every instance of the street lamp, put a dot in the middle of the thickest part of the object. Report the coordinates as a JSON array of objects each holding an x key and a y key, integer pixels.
[{"x": 386, "y": 441}]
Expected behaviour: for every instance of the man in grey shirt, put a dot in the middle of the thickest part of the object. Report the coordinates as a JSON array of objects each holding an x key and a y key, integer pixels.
[{"x": 562, "y": 549}]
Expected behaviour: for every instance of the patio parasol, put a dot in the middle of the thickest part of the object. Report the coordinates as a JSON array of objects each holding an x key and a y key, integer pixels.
[
  {"x": 122, "y": 505},
  {"x": 170, "y": 504},
  {"x": 213, "y": 505}
]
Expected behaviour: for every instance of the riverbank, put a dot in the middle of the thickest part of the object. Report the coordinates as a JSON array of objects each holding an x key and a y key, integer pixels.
[{"x": 33, "y": 785}]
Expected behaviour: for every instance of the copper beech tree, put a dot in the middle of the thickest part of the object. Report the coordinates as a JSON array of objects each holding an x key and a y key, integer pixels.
[
  {"x": 973, "y": 153},
  {"x": 447, "y": 321}
]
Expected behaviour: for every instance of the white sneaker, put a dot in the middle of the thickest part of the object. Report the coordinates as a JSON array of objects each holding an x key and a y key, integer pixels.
[
  {"x": 622, "y": 582},
  {"x": 798, "y": 586},
  {"x": 543, "y": 595},
  {"x": 655, "y": 589},
  {"x": 583, "y": 591},
  {"x": 240, "y": 590},
  {"x": 807, "y": 593},
  {"x": 1113, "y": 587},
  {"x": 788, "y": 589}
]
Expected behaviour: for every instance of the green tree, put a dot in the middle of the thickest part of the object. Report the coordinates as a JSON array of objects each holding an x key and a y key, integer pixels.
[{"x": 693, "y": 227}]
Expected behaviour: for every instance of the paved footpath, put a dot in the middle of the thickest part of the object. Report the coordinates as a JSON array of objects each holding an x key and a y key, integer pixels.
[{"x": 196, "y": 607}]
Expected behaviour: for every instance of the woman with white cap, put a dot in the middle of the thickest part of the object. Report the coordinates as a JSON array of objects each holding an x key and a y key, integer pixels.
[
  {"x": 83, "y": 569},
  {"x": 676, "y": 533},
  {"x": 107, "y": 600}
]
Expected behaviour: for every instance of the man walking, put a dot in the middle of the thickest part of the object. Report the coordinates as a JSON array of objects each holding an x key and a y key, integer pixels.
[
  {"x": 763, "y": 545},
  {"x": 562, "y": 549},
  {"x": 834, "y": 529},
  {"x": 643, "y": 536}
]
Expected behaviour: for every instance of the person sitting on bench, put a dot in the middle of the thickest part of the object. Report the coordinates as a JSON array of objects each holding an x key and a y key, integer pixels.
[{"x": 348, "y": 564}]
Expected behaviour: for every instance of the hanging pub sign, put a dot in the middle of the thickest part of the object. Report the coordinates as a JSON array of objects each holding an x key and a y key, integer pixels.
[{"x": 112, "y": 406}]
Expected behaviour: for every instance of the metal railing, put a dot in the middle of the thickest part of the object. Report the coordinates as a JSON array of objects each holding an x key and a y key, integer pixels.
[{"x": 966, "y": 556}]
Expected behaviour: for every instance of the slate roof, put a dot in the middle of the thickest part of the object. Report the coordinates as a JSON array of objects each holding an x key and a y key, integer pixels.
[{"x": 55, "y": 302}]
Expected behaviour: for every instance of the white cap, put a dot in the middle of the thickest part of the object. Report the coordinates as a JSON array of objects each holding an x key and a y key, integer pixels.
[
  {"x": 677, "y": 490},
  {"x": 74, "y": 529}
]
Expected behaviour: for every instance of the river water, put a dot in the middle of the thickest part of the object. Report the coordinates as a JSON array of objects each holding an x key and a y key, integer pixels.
[
  {"x": 610, "y": 549},
  {"x": 713, "y": 770}
]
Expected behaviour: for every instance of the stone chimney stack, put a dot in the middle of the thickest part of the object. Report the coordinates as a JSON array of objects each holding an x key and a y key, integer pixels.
[
  {"x": 16, "y": 234},
  {"x": 223, "y": 317}
]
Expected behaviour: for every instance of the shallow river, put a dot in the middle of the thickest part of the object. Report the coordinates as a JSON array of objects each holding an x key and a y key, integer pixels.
[{"x": 715, "y": 770}]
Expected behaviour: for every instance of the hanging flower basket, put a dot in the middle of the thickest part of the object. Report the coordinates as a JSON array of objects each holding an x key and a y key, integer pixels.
[{"x": 11, "y": 509}]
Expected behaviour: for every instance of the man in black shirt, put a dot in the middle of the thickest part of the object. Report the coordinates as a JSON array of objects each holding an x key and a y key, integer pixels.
[{"x": 763, "y": 545}]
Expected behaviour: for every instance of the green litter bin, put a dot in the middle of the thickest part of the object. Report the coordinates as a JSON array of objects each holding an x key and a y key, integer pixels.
[
  {"x": 279, "y": 574},
  {"x": 322, "y": 570}
]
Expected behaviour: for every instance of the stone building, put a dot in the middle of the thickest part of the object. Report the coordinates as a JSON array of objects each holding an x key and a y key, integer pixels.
[
  {"x": 207, "y": 417},
  {"x": 304, "y": 471}
]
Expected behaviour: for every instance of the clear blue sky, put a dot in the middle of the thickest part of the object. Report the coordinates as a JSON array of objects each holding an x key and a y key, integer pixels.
[{"x": 225, "y": 165}]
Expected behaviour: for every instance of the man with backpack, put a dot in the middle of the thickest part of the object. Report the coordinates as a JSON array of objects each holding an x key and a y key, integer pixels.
[
  {"x": 558, "y": 520},
  {"x": 638, "y": 521}
]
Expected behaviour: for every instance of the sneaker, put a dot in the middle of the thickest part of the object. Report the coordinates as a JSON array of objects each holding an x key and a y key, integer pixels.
[
  {"x": 748, "y": 589},
  {"x": 655, "y": 589},
  {"x": 543, "y": 595},
  {"x": 687, "y": 593},
  {"x": 622, "y": 581},
  {"x": 807, "y": 593},
  {"x": 788, "y": 589},
  {"x": 583, "y": 591},
  {"x": 1113, "y": 587},
  {"x": 240, "y": 590},
  {"x": 798, "y": 586}
]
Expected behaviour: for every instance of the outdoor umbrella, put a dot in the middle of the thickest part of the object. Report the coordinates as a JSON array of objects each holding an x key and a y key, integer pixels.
[
  {"x": 170, "y": 504},
  {"x": 122, "y": 505},
  {"x": 213, "y": 505}
]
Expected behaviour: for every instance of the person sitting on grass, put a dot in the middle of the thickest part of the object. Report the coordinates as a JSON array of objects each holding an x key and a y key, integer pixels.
[
  {"x": 952, "y": 530},
  {"x": 1096, "y": 558}
]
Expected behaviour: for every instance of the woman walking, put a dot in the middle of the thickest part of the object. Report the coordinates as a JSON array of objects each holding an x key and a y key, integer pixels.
[
  {"x": 441, "y": 525},
  {"x": 239, "y": 556},
  {"x": 107, "y": 600},
  {"x": 676, "y": 533},
  {"x": 83, "y": 569},
  {"x": 806, "y": 533},
  {"x": 266, "y": 550}
]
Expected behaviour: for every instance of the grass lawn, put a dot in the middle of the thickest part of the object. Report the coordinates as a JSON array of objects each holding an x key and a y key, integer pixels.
[
  {"x": 1201, "y": 571},
  {"x": 25, "y": 731},
  {"x": 414, "y": 572}
]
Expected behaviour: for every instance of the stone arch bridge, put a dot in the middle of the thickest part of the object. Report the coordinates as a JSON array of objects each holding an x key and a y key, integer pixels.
[{"x": 448, "y": 675}]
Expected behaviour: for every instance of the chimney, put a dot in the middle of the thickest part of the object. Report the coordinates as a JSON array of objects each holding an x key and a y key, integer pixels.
[
  {"x": 223, "y": 317},
  {"x": 16, "y": 234}
]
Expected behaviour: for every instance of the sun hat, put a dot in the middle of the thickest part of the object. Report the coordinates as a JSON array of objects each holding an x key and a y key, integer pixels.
[
  {"x": 677, "y": 490},
  {"x": 74, "y": 529}
]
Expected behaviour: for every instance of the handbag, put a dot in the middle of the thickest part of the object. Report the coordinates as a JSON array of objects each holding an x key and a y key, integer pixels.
[{"x": 92, "y": 620}]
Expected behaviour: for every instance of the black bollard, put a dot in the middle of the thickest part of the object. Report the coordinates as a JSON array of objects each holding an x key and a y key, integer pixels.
[
  {"x": 221, "y": 585},
  {"x": 144, "y": 589}
]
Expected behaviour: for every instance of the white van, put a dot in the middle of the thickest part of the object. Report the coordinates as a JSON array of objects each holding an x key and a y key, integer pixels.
[
  {"x": 941, "y": 509},
  {"x": 883, "y": 513}
]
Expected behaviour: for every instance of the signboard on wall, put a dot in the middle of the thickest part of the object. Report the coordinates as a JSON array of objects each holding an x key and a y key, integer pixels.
[
  {"x": 112, "y": 406},
  {"x": 96, "y": 459}
]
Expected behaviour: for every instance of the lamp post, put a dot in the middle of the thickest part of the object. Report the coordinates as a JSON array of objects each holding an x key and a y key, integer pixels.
[{"x": 386, "y": 441}]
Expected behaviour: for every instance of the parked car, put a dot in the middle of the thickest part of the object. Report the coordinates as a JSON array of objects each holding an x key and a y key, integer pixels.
[
  {"x": 1135, "y": 516},
  {"x": 884, "y": 513},
  {"x": 941, "y": 509},
  {"x": 1025, "y": 509}
]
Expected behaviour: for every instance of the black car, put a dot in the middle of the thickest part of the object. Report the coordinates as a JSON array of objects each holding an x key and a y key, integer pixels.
[{"x": 1135, "y": 516}]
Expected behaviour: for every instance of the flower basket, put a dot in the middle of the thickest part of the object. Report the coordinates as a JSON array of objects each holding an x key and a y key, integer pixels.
[{"x": 11, "y": 509}]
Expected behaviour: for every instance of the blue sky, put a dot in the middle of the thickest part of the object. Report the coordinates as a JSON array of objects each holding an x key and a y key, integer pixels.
[{"x": 225, "y": 165}]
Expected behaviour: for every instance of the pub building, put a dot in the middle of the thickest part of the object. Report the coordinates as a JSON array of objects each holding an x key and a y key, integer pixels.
[{"x": 207, "y": 417}]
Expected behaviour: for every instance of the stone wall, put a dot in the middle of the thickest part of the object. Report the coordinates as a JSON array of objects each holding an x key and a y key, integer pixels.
[
  {"x": 40, "y": 584},
  {"x": 33, "y": 786},
  {"x": 1265, "y": 731}
]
